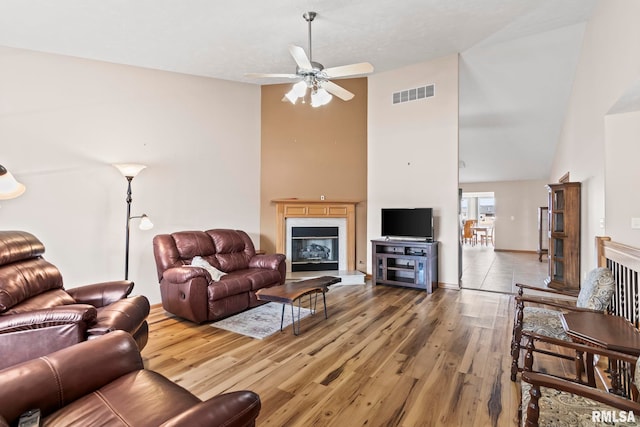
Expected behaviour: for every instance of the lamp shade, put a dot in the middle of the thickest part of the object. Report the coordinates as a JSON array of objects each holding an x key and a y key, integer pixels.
[
  {"x": 9, "y": 187},
  {"x": 145, "y": 223},
  {"x": 129, "y": 170}
]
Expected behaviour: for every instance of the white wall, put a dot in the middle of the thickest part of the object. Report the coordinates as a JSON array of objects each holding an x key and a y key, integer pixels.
[
  {"x": 64, "y": 121},
  {"x": 413, "y": 152},
  {"x": 517, "y": 203},
  {"x": 622, "y": 176},
  {"x": 608, "y": 65}
]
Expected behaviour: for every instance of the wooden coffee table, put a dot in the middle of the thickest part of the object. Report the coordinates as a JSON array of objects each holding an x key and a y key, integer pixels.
[{"x": 290, "y": 292}]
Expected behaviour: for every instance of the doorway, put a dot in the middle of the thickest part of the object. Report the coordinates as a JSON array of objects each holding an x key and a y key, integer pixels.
[
  {"x": 477, "y": 215},
  {"x": 477, "y": 219}
]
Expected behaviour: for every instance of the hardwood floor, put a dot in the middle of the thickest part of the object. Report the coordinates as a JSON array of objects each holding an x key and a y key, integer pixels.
[{"x": 385, "y": 357}]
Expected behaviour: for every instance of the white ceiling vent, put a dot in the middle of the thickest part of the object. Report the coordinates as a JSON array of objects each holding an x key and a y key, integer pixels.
[{"x": 421, "y": 92}]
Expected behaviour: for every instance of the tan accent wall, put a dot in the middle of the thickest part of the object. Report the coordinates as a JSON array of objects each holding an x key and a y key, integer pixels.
[{"x": 312, "y": 152}]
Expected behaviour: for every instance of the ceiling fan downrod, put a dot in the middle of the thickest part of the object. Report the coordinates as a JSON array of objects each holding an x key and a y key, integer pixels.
[{"x": 309, "y": 16}]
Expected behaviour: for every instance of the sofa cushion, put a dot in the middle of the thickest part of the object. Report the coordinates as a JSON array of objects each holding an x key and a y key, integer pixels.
[
  {"x": 231, "y": 284},
  {"x": 261, "y": 278}
]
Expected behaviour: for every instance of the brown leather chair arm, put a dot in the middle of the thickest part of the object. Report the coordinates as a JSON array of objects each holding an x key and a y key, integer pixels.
[
  {"x": 544, "y": 380},
  {"x": 101, "y": 294},
  {"x": 270, "y": 261},
  {"x": 238, "y": 408},
  {"x": 126, "y": 315},
  {"x": 71, "y": 372},
  {"x": 184, "y": 274},
  {"x": 55, "y": 316}
]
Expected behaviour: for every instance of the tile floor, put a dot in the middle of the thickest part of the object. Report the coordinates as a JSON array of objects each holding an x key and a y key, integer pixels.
[{"x": 487, "y": 270}]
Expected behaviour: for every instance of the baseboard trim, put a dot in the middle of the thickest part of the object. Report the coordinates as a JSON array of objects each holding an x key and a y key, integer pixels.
[{"x": 516, "y": 251}]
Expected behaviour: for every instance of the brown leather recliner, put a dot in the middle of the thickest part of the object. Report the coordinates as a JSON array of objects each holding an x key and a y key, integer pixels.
[
  {"x": 103, "y": 382},
  {"x": 191, "y": 292},
  {"x": 38, "y": 316}
]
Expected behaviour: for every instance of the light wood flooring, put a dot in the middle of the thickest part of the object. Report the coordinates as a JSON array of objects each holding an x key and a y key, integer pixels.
[{"x": 385, "y": 357}]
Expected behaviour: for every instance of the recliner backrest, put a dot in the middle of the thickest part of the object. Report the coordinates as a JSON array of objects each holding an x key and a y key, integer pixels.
[
  {"x": 24, "y": 274},
  {"x": 225, "y": 249},
  {"x": 234, "y": 249}
]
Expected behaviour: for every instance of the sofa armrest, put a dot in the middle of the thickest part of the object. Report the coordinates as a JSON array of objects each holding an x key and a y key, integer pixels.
[
  {"x": 184, "y": 292},
  {"x": 238, "y": 408},
  {"x": 101, "y": 294},
  {"x": 270, "y": 261},
  {"x": 184, "y": 274},
  {"x": 72, "y": 372}
]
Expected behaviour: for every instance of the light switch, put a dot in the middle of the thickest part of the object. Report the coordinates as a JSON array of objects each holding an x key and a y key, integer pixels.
[{"x": 635, "y": 222}]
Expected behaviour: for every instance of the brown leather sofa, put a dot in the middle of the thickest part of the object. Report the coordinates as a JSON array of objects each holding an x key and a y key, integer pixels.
[
  {"x": 191, "y": 292},
  {"x": 103, "y": 382},
  {"x": 38, "y": 316}
]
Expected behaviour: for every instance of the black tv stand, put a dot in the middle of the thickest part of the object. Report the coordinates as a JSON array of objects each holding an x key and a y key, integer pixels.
[{"x": 410, "y": 263}]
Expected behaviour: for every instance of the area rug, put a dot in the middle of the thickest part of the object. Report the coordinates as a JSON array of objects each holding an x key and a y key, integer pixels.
[{"x": 262, "y": 321}]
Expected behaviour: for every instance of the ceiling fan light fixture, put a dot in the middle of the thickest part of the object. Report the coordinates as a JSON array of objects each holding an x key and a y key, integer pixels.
[
  {"x": 291, "y": 96},
  {"x": 320, "y": 97},
  {"x": 300, "y": 88},
  {"x": 325, "y": 97}
]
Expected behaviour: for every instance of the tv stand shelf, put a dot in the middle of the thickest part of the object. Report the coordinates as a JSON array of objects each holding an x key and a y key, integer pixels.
[{"x": 410, "y": 263}]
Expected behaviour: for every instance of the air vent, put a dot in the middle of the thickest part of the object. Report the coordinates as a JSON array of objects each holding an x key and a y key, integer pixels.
[{"x": 421, "y": 92}]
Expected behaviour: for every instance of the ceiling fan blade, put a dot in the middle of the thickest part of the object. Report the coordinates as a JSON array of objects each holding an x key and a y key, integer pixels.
[
  {"x": 336, "y": 90},
  {"x": 300, "y": 57},
  {"x": 349, "y": 70},
  {"x": 266, "y": 75}
]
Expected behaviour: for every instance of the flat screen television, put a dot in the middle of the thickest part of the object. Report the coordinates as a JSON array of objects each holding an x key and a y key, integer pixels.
[{"x": 414, "y": 223}]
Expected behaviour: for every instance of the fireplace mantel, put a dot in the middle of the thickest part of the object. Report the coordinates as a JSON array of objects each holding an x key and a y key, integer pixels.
[{"x": 298, "y": 208}]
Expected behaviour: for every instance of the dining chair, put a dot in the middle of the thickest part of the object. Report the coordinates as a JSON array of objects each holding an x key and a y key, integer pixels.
[
  {"x": 469, "y": 235},
  {"x": 487, "y": 236}
]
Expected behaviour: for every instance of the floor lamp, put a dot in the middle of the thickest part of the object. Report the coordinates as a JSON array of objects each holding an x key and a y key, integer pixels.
[
  {"x": 130, "y": 170},
  {"x": 9, "y": 187}
]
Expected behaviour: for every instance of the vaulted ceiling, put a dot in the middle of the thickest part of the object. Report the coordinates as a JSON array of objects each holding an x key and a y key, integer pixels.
[{"x": 517, "y": 56}]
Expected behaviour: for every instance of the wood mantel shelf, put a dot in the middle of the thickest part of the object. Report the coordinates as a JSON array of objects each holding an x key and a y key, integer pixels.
[{"x": 305, "y": 208}]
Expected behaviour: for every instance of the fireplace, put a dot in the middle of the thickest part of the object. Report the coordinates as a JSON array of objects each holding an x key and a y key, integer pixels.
[
  {"x": 316, "y": 244},
  {"x": 314, "y": 248},
  {"x": 318, "y": 214}
]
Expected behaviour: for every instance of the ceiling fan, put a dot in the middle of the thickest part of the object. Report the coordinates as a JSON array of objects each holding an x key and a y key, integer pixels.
[{"x": 314, "y": 76}]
